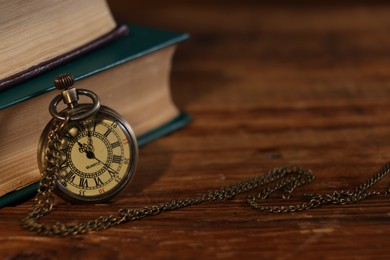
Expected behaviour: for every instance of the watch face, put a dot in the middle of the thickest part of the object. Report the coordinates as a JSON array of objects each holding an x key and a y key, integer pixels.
[{"x": 98, "y": 157}]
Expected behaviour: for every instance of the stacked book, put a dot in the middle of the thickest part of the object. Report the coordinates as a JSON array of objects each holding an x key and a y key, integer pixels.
[{"x": 128, "y": 66}]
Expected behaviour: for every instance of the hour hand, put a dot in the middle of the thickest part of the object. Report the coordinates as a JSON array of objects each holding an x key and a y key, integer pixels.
[{"x": 82, "y": 148}]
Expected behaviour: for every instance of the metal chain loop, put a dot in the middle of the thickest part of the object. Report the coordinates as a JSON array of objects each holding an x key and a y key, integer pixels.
[{"x": 286, "y": 179}]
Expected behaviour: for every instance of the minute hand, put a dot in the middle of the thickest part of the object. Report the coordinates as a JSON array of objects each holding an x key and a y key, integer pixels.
[{"x": 92, "y": 155}]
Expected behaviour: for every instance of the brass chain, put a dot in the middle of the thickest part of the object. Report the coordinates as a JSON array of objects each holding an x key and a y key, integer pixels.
[{"x": 286, "y": 179}]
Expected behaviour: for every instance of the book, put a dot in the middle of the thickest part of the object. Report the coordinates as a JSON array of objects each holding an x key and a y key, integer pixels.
[
  {"x": 130, "y": 75},
  {"x": 39, "y": 34}
]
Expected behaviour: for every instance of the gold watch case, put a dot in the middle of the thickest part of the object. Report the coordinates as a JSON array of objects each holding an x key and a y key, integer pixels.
[{"x": 98, "y": 156}]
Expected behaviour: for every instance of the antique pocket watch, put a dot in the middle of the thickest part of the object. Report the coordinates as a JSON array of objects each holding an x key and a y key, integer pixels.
[{"x": 97, "y": 150}]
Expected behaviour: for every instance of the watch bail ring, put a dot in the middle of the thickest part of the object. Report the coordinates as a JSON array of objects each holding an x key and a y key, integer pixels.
[{"x": 94, "y": 108}]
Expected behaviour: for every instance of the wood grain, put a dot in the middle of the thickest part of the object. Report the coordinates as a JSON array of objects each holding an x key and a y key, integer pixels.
[{"x": 267, "y": 85}]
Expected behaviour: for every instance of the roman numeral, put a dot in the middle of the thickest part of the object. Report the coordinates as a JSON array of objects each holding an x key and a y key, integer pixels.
[
  {"x": 111, "y": 172},
  {"x": 94, "y": 125},
  {"x": 114, "y": 145},
  {"x": 81, "y": 127},
  {"x": 107, "y": 132},
  {"x": 64, "y": 164},
  {"x": 98, "y": 181},
  {"x": 116, "y": 159},
  {"x": 70, "y": 176},
  {"x": 83, "y": 183}
]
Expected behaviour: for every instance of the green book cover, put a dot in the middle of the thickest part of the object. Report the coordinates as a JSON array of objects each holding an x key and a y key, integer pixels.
[{"x": 140, "y": 41}]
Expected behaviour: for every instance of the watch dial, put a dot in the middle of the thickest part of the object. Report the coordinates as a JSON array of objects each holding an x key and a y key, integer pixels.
[{"x": 98, "y": 157}]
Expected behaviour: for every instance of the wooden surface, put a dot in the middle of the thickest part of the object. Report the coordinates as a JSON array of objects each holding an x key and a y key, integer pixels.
[{"x": 267, "y": 86}]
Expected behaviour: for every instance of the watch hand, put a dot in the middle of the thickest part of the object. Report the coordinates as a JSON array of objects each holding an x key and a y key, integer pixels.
[
  {"x": 91, "y": 155},
  {"x": 85, "y": 148},
  {"x": 82, "y": 148}
]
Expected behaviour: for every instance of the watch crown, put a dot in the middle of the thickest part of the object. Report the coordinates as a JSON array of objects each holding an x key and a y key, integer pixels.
[{"x": 64, "y": 81}]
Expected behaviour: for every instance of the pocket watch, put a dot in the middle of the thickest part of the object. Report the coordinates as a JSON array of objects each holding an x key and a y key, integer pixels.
[{"x": 98, "y": 151}]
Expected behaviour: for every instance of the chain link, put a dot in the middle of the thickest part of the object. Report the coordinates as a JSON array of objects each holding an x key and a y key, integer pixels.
[{"x": 286, "y": 179}]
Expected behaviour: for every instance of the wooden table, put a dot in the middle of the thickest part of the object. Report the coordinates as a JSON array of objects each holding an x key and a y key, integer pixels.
[{"x": 267, "y": 85}]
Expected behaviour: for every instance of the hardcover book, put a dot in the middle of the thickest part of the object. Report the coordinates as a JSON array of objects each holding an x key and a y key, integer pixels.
[
  {"x": 37, "y": 35},
  {"x": 131, "y": 75}
]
